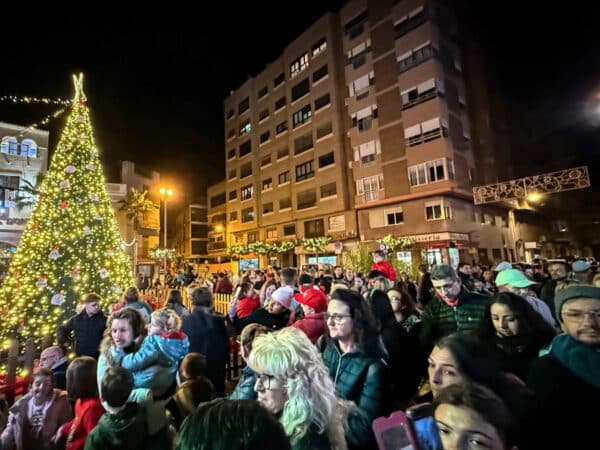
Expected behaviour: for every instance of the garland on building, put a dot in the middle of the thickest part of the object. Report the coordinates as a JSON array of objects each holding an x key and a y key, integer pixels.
[
  {"x": 262, "y": 248},
  {"x": 315, "y": 245},
  {"x": 160, "y": 253}
]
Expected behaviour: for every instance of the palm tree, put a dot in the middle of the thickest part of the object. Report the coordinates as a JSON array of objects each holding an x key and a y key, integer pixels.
[{"x": 135, "y": 205}]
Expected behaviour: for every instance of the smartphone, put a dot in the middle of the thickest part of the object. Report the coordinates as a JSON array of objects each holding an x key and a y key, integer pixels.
[
  {"x": 424, "y": 426},
  {"x": 394, "y": 432}
]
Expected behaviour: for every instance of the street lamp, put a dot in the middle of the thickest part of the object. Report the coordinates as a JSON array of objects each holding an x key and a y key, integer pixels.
[{"x": 165, "y": 193}]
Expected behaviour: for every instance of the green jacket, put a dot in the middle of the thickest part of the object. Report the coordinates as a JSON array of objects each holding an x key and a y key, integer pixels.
[
  {"x": 357, "y": 377},
  {"x": 440, "y": 319},
  {"x": 125, "y": 430}
]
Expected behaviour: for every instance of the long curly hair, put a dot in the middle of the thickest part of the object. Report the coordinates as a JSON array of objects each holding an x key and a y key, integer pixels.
[
  {"x": 137, "y": 324},
  {"x": 289, "y": 355}
]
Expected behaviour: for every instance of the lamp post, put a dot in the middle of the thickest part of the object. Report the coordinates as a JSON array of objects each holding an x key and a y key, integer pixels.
[{"x": 165, "y": 193}]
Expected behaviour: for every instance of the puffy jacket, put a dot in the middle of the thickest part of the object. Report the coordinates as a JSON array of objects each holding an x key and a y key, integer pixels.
[
  {"x": 88, "y": 331},
  {"x": 247, "y": 305},
  {"x": 155, "y": 364},
  {"x": 357, "y": 377},
  {"x": 244, "y": 390},
  {"x": 312, "y": 325},
  {"x": 440, "y": 319},
  {"x": 386, "y": 269},
  {"x": 125, "y": 430}
]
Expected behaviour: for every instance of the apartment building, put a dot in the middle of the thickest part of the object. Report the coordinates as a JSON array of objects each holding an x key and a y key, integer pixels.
[
  {"x": 363, "y": 128},
  {"x": 286, "y": 152},
  {"x": 191, "y": 232}
]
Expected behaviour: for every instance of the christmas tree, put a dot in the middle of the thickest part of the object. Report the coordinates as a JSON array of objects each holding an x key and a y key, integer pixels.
[{"x": 71, "y": 244}]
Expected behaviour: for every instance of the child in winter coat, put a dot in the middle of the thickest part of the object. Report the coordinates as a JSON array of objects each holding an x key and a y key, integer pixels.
[
  {"x": 81, "y": 385},
  {"x": 124, "y": 426},
  {"x": 383, "y": 266},
  {"x": 155, "y": 364},
  {"x": 247, "y": 302},
  {"x": 34, "y": 419}
]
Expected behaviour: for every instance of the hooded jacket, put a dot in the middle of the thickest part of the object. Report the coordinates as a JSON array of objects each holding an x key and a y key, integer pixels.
[
  {"x": 155, "y": 364},
  {"x": 125, "y": 430}
]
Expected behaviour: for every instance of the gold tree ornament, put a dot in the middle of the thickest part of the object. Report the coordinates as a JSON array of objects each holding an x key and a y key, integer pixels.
[{"x": 79, "y": 94}]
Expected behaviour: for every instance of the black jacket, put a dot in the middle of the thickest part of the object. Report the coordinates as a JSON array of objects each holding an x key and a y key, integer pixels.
[
  {"x": 207, "y": 333},
  {"x": 88, "y": 331}
]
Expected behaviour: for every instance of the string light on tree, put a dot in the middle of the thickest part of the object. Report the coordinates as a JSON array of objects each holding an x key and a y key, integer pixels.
[{"x": 71, "y": 243}]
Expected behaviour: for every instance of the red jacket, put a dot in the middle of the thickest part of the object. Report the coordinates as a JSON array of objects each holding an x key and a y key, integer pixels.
[
  {"x": 386, "y": 269},
  {"x": 312, "y": 325},
  {"x": 247, "y": 305},
  {"x": 87, "y": 415}
]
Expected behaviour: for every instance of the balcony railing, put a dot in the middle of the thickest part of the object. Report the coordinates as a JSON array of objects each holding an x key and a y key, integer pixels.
[
  {"x": 216, "y": 246},
  {"x": 369, "y": 196},
  {"x": 416, "y": 58},
  {"x": 420, "y": 99},
  {"x": 426, "y": 137}
]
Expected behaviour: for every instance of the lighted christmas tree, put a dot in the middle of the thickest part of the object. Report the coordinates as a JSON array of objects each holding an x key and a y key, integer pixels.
[{"x": 71, "y": 244}]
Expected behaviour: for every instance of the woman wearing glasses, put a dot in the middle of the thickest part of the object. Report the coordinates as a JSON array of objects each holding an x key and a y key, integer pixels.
[
  {"x": 405, "y": 309},
  {"x": 293, "y": 384},
  {"x": 354, "y": 356}
]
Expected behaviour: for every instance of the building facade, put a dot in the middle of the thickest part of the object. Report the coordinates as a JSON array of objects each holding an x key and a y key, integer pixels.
[
  {"x": 142, "y": 236},
  {"x": 23, "y": 158},
  {"x": 363, "y": 128},
  {"x": 191, "y": 235}
]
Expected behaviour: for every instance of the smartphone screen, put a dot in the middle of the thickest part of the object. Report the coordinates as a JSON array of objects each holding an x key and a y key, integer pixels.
[
  {"x": 396, "y": 439},
  {"x": 426, "y": 430}
]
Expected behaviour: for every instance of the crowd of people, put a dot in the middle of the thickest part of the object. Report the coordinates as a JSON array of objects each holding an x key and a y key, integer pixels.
[{"x": 477, "y": 357}]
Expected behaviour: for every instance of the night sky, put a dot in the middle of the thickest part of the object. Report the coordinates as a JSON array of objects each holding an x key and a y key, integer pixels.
[{"x": 156, "y": 85}]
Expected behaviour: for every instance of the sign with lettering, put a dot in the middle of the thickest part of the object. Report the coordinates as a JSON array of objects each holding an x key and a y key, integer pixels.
[{"x": 442, "y": 236}]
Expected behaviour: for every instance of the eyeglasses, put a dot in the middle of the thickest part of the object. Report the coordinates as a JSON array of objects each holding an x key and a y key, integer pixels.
[
  {"x": 264, "y": 380},
  {"x": 578, "y": 316},
  {"x": 337, "y": 318}
]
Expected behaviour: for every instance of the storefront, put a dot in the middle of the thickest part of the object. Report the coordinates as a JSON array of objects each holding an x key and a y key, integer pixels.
[{"x": 436, "y": 248}]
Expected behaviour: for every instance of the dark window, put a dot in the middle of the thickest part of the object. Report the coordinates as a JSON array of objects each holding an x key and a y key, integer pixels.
[
  {"x": 328, "y": 190},
  {"x": 244, "y": 105},
  {"x": 230, "y": 114},
  {"x": 266, "y": 160},
  {"x": 416, "y": 57},
  {"x": 245, "y": 127},
  {"x": 252, "y": 237},
  {"x": 233, "y": 216},
  {"x": 199, "y": 214},
  {"x": 319, "y": 73},
  {"x": 233, "y": 195},
  {"x": 218, "y": 219},
  {"x": 394, "y": 217},
  {"x": 314, "y": 228},
  {"x": 305, "y": 171},
  {"x": 232, "y": 174},
  {"x": 300, "y": 89},
  {"x": 285, "y": 203},
  {"x": 410, "y": 23},
  {"x": 282, "y": 153},
  {"x": 245, "y": 148},
  {"x": 289, "y": 230},
  {"x": 284, "y": 177},
  {"x": 199, "y": 230},
  {"x": 263, "y": 92},
  {"x": 302, "y": 116},
  {"x": 324, "y": 130},
  {"x": 279, "y": 79},
  {"x": 303, "y": 143},
  {"x": 319, "y": 47},
  {"x": 355, "y": 26},
  {"x": 247, "y": 215},
  {"x": 280, "y": 128},
  {"x": 265, "y": 137},
  {"x": 217, "y": 200},
  {"x": 267, "y": 184},
  {"x": 322, "y": 101},
  {"x": 307, "y": 199},
  {"x": 231, "y": 153},
  {"x": 246, "y": 192},
  {"x": 199, "y": 247},
  {"x": 268, "y": 208},
  {"x": 246, "y": 170},
  {"x": 326, "y": 160},
  {"x": 263, "y": 114},
  {"x": 280, "y": 103}
]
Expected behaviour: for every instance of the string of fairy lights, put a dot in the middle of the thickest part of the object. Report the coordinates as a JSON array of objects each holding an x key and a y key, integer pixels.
[{"x": 38, "y": 100}]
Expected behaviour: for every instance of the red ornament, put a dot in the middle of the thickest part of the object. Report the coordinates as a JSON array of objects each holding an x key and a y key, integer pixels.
[{"x": 63, "y": 204}]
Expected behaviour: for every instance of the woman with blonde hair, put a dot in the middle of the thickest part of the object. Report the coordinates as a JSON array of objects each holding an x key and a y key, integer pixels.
[{"x": 294, "y": 385}]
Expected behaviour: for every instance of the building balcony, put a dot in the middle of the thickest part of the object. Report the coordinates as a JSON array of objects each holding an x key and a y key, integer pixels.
[{"x": 216, "y": 246}]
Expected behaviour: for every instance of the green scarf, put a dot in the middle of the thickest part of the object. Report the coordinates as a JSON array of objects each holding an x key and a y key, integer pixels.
[{"x": 581, "y": 359}]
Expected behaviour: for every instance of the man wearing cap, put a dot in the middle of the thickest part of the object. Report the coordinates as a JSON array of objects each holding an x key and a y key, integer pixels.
[
  {"x": 314, "y": 304},
  {"x": 567, "y": 380},
  {"x": 515, "y": 281},
  {"x": 581, "y": 272},
  {"x": 452, "y": 309},
  {"x": 558, "y": 270}
]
